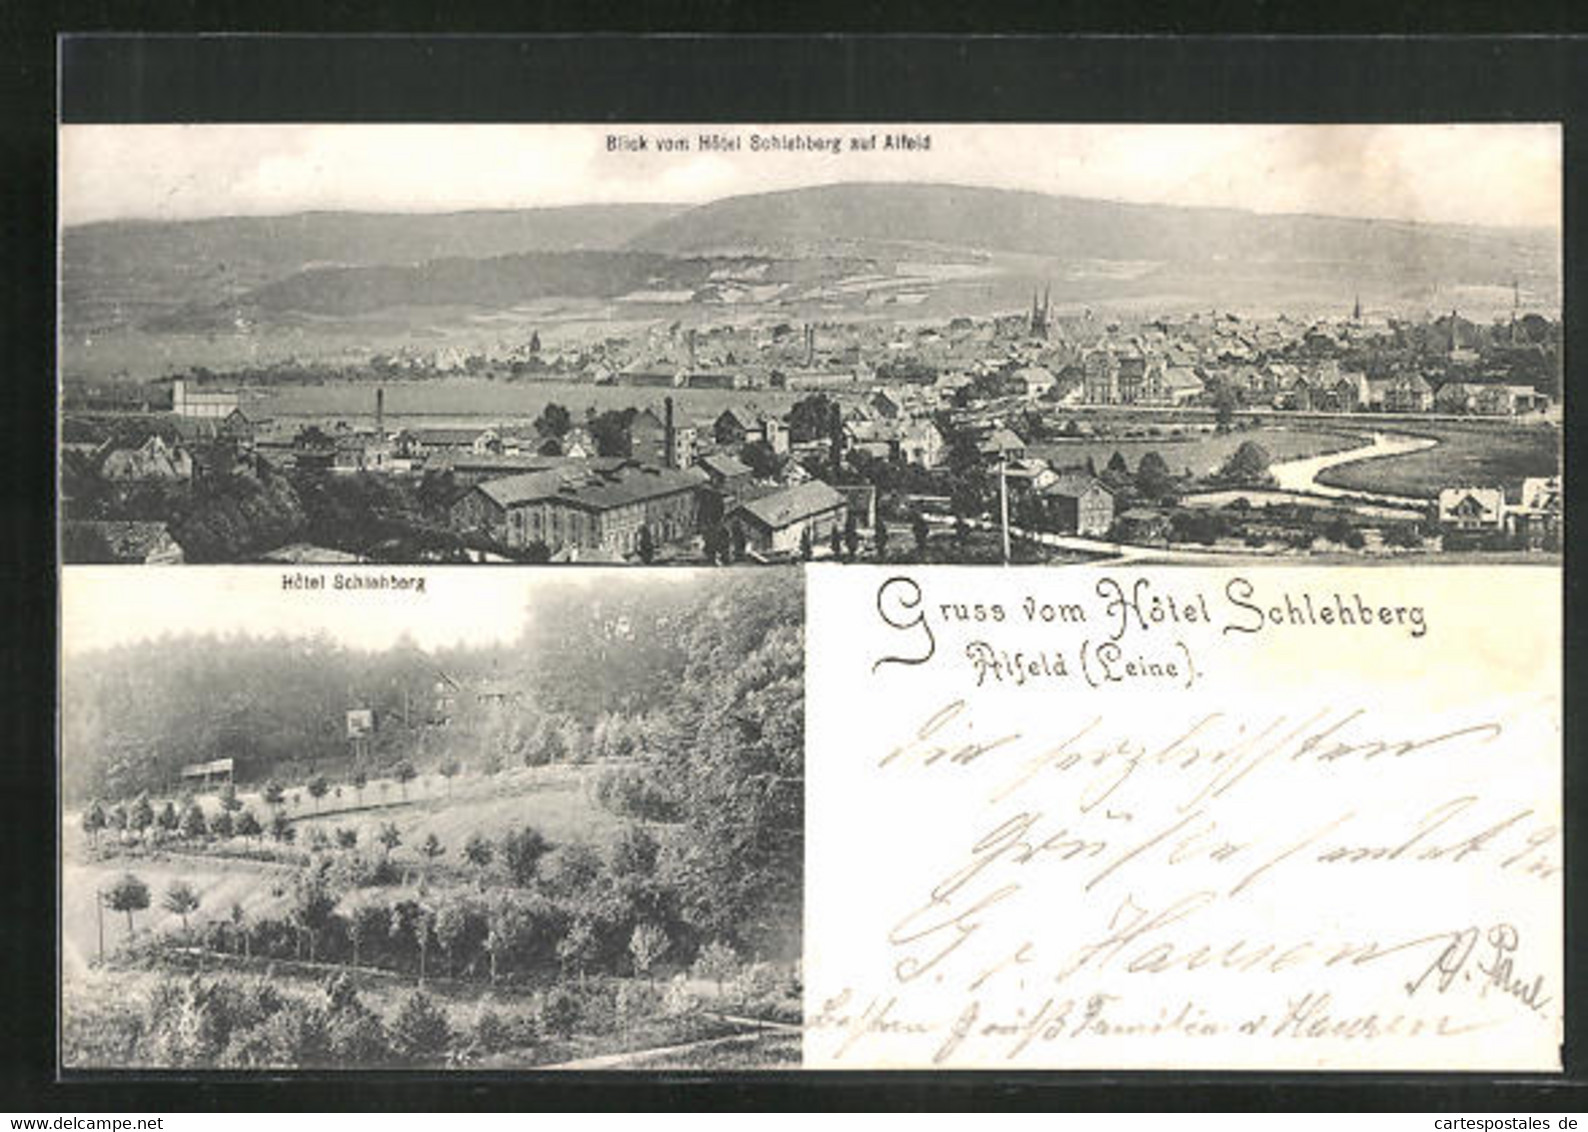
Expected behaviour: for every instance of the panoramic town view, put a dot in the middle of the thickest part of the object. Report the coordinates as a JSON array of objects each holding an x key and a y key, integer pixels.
[
  {"x": 575, "y": 843},
  {"x": 900, "y": 370}
]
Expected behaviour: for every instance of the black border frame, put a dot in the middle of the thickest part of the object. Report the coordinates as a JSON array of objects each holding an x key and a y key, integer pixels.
[{"x": 579, "y": 77}]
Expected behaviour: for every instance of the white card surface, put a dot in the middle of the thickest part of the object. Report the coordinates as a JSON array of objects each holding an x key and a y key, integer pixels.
[{"x": 1183, "y": 819}]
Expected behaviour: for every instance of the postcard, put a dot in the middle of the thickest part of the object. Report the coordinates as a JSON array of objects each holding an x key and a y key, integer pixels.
[
  {"x": 691, "y": 344},
  {"x": 852, "y": 596},
  {"x": 1128, "y": 818},
  {"x": 346, "y": 819}
]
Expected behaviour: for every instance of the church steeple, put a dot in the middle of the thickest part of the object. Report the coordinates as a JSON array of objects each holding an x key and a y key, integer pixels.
[{"x": 1039, "y": 312}]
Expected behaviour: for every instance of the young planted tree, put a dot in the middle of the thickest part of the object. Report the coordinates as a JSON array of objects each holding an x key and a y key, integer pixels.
[
  {"x": 388, "y": 837},
  {"x": 169, "y": 820},
  {"x": 94, "y": 821},
  {"x": 319, "y": 785},
  {"x": 247, "y": 825},
  {"x": 240, "y": 930},
  {"x": 273, "y": 794},
  {"x": 358, "y": 782},
  {"x": 880, "y": 538},
  {"x": 405, "y": 774},
  {"x": 432, "y": 847},
  {"x": 921, "y": 531},
  {"x": 129, "y": 895},
  {"x": 851, "y": 534},
  {"x": 281, "y": 828},
  {"x": 221, "y": 825},
  {"x": 478, "y": 851},
  {"x": 648, "y": 944},
  {"x": 181, "y": 900},
  {"x": 230, "y": 802},
  {"x": 449, "y": 771},
  {"x": 578, "y": 948},
  {"x": 805, "y": 545},
  {"x": 346, "y": 838},
  {"x": 141, "y": 816},
  {"x": 507, "y": 924},
  {"x": 452, "y": 928},
  {"x": 194, "y": 824},
  {"x": 647, "y": 545},
  {"x": 311, "y": 907},
  {"x": 717, "y": 961}
]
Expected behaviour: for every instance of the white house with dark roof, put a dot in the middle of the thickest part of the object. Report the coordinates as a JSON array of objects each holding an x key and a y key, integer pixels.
[
  {"x": 1472, "y": 508},
  {"x": 776, "y": 523},
  {"x": 599, "y": 508}
]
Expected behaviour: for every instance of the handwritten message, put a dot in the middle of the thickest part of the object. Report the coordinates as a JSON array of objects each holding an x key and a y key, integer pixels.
[{"x": 1176, "y": 818}]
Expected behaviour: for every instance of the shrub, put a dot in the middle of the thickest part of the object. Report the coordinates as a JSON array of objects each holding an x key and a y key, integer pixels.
[
  {"x": 293, "y": 1037},
  {"x": 420, "y": 1031},
  {"x": 491, "y": 1033},
  {"x": 759, "y": 987},
  {"x": 678, "y": 999},
  {"x": 630, "y": 791},
  {"x": 558, "y": 1012},
  {"x": 637, "y": 1001},
  {"x": 357, "y": 1037},
  {"x": 521, "y": 853},
  {"x": 717, "y": 962}
]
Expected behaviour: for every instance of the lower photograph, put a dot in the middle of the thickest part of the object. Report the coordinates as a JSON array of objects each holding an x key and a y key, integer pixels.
[{"x": 484, "y": 820}]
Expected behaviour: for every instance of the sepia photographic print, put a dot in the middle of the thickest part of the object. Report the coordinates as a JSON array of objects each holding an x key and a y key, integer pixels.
[
  {"x": 698, "y": 344},
  {"x": 449, "y": 819},
  {"x": 1244, "y": 788}
]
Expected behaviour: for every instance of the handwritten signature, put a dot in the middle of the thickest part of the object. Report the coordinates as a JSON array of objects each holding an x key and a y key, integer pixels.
[{"x": 1487, "y": 960}]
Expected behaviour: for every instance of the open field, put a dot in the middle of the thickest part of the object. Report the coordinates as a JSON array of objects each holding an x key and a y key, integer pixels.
[
  {"x": 219, "y": 882},
  {"x": 1200, "y": 452},
  {"x": 437, "y": 399},
  {"x": 1479, "y": 454},
  {"x": 97, "y": 1006},
  {"x": 553, "y": 799}
]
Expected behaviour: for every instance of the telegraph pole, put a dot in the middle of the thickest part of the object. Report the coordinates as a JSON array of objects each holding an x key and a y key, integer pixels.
[{"x": 1003, "y": 504}]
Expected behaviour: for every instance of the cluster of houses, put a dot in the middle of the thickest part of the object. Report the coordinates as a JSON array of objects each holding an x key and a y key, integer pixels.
[
  {"x": 899, "y": 389},
  {"x": 676, "y": 482},
  {"x": 1535, "y": 518}
]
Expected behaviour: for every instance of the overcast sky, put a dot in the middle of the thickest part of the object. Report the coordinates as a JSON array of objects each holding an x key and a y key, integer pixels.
[
  {"x": 102, "y": 607},
  {"x": 1477, "y": 174}
]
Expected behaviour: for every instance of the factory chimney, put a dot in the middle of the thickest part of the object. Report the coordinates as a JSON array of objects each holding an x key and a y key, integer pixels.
[
  {"x": 380, "y": 413},
  {"x": 670, "y": 452}
]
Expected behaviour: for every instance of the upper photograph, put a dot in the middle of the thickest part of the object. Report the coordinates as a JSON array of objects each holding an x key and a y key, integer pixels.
[{"x": 709, "y": 344}]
